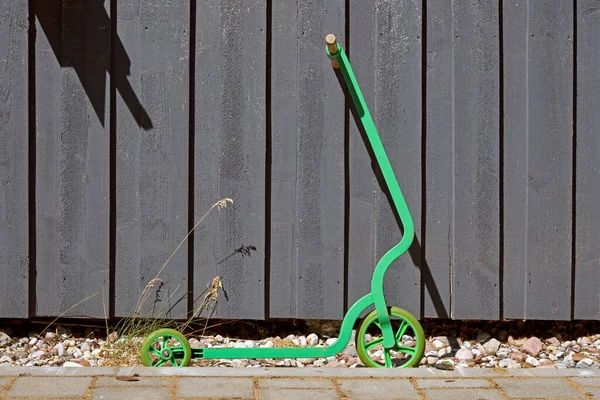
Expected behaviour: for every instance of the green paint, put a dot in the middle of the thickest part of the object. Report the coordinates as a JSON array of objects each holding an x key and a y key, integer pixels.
[{"x": 381, "y": 315}]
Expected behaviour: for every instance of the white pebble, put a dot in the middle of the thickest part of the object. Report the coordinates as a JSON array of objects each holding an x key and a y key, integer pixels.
[
  {"x": 312, "y": 339},
  {"x": 533, "y": 361},
  {"x": 33, "y": 341},
  {"x": 330, "y": 341},
  {"x": 72, "y": 364},
  {"x": 438, "y": 344}
]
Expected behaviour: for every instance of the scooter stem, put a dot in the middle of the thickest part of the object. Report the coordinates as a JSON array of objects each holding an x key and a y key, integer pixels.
[{"x": 340, "y": 60}]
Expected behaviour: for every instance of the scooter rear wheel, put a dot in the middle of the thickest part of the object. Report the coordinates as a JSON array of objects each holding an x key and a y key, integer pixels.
[
  {"x": 173, "y": 350},
  {"x": 403, "y": 355}
]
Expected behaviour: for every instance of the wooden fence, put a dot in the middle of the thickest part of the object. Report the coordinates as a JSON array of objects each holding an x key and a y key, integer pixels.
[{"x": 122, "y": 122}]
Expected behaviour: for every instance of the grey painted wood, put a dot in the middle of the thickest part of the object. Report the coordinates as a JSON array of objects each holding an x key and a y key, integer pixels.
[
  {"x": 398, "y": 103},
  {"x": 587, "y": 246},
  {"x": 363, "y": 185},
  {"x": 385, "y": 48},
  {"x": 538, "y": 155},
  {"x": 152, "y": 134},
  {"x": 476, "y": 162},
  {"x": 439, "y": 159},
  {"x": 307, "y": 280},
  {"x": 14, "y": 218},
  {"x": 230, "y": 153},
  {"x": 72, "y": 157},
  {"x": 284, "y": 127}
]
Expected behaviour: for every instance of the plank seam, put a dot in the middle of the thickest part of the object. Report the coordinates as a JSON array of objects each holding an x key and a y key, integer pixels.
[
  {"x": 424, "y": 264},
  {"x": 191, "y": 153},
  {"x": 112, "y": 207},
  {"x": 31, "y": 155},
  {"x": 574, "y": 167},
  {"x": 501, "y": 156},
  {"x": 268, "y": 157}
]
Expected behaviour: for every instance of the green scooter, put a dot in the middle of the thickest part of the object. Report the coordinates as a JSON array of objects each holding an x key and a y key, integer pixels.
[{"x": 168, "y": 347}]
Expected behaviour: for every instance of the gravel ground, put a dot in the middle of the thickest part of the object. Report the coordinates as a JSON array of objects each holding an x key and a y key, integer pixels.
[{"x": 460, "y": 346}]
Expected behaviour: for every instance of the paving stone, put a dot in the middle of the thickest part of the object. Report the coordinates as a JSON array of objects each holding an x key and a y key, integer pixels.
[
  {"x": 4, "y": 382},
  {"x": 49, "y": 387},
  {"x": 379, "y": 389},
  {"x": 295, "y": 394},
  {"x": 143, "y": 381},
  {"x": 452, "y": 383},
  {"x": 296, "y": 383},
  {"x": 132, "y": 393},
  {"x": 587, "y": 381},
  {"x": 593, "y": 392},
  {"x": 537, "y": 388},
  {"x": 462, "y": 394},
  {"x": 215, "y": 387}
]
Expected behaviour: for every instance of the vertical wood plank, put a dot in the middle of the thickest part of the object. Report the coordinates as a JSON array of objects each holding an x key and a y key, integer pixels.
[
  {"x": 72, "y": 160},
  {"x": 439, "y": 160},
  {"x": 230, "y": 153},
  {"x": 14, "y": 130},
  {"x": 475, "y": 119},
  {"x": 587, "y": 246},
  {"x": 398, "y": 103},
  {"x": 284, "y": 127},
  {"x": 307, "y": 271},
  {"x": 538, "y": 156},
  {"x": 385, "y": 52},
  {"x": 364, "y": 188},
  {"x": 152, "y": 83},
  {"x": 462, "y": 244}
]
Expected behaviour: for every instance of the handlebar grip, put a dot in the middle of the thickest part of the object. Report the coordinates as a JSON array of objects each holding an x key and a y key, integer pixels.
[{"x": 332, "y": 47}]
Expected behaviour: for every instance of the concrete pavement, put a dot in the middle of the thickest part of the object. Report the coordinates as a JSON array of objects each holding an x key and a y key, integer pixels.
[{"x": 296, "y": 383}]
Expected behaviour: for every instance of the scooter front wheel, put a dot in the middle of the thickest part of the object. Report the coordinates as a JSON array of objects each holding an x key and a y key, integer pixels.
[
  {"x": 405, "y": 354},
  {"x": 166, "y": 347}
]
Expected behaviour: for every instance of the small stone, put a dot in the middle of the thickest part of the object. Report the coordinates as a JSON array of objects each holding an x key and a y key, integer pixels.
[
  {"x": 85, "y": 347},
  {"x": 5, "y": 359},
  {"x": 331, "y": 359},
  {"x": 239, "y": 345},
  {"x": 464, "y": 354},
  {"x": 585, "y": 363},
  {"x": 438, "y": 344},
  {"x": 21, "y": 354},
  {"x": 77, "y": 354},
  {"x": 553, "y": 341},
  {"x": 467, "y": 345},
  {"x": 302, "y": 341},
  {"x": 32, "y": 341},
  {"x": 320, "y": 362},
  {"x": 578, "y": 357},
  {"x": 532, "y": 360},
  {"x": 307, "y": 360},
  {"x": 250, "y": 344},
  {"x": 532, "y": 346},
  {"x": 509, "y": 363},
  {"x": 446, "y": 365},
  {"x": 37, "y": 355},
  {"x": 428, "y": 346},
  {"x": 72, "y": 364},
  {"x": 432, "y": 360},
  {"x": 584, "y": 341},
  {"x": 443, "y": 339},
  {"x": 503, "y": 353},
  {"x": 330, "y": 341},
  {"x": 312, "y": 339},
  {"x": 194, "y": 343},
  {"x": 4, "y": 339},
  {"x": 491, "y": 346},
  {"x": 511, "y": 341},
  {"x": 517, "y": 356},
  {"x": 299, "y": 364},
  {"x": 268, "y": 344},
  {"x": 483, "y": 336},
  {"x": 50, "y": 335},
  {"x": 219, "y": 339}
]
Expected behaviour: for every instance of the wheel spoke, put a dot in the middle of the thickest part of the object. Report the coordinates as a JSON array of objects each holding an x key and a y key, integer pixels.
[
  {"x": 176, "y": 348},
  {"x": 405, "y": 349},
  {"x": 174, "y": 361},
  {"x": 164, "y": 343},
  {"x": 155, "y": 352},
  {"x": 388, "y": 358},
  {"x": 402, "y": 330},
  {"x": 160, "y": 363},
  {"x": 374, "y": 343}
]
